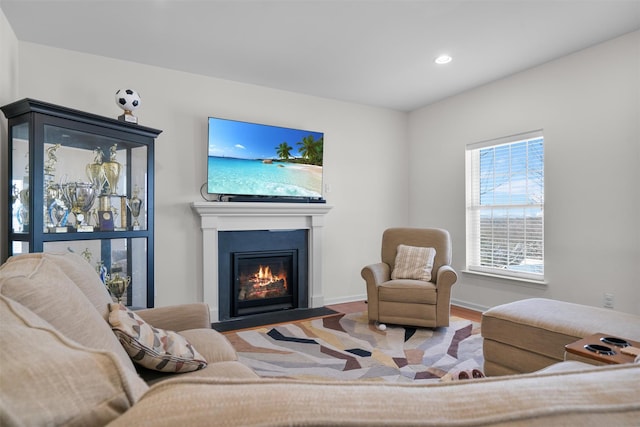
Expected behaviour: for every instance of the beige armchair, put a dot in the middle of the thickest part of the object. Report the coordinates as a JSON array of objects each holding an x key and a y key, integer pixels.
[{"x": 409, "y": 301}]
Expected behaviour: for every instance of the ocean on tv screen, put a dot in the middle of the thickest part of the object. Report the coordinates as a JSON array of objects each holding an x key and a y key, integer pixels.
[{"x": 227, "y": 175}]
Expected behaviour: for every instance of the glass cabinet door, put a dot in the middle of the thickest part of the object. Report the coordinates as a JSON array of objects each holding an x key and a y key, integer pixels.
[
  {"x": 92, "y": 182},
  {"x": 117, "y": 262},
  {"x": 83, "y": 183},
  {"x": 20, "y": 179}
]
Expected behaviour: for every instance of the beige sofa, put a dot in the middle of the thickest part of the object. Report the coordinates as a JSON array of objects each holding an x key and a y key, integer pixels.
[{"x": 62, "y": 365}]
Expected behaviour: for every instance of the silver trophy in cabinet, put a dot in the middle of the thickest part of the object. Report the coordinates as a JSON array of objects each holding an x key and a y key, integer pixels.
[
  {"x": 80, "y": 196},
  {"x": 135, "y": 206}
]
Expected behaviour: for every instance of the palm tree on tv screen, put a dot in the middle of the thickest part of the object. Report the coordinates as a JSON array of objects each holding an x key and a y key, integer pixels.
[
  {"x": 284, "y": 151},
  {"x": 311, "y": 150}
]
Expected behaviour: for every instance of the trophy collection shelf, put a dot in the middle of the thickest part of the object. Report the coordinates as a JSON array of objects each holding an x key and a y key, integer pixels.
[
  {"x": 83, "y": 183},
  {"x": 57, "y": 237}
]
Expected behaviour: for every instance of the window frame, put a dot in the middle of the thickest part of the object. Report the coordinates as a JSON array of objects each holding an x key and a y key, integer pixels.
[{"x": 475, "y": 205}]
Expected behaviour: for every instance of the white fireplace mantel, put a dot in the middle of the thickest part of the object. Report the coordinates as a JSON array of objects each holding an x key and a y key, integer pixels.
[{"x": 230, "y": 216}]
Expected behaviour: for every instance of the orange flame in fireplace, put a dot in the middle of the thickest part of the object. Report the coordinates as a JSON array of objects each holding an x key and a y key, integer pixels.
[
  {"x": 265, "y": 273},
  {"x": 264, "y": 284},
  {"x": 264, "y": 276}
]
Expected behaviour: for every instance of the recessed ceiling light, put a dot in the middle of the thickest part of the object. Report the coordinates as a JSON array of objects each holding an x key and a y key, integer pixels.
[{"x": 443, "y": 59}]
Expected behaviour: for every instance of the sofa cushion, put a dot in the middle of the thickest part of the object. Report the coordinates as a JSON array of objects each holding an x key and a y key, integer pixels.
[
  {"x": 86, "y": 279},
  {"x": 232, "y": 370},
  {"x": 80, "y": 272},
  {"x": 214, "y": 346},
  {"x": 413, "y": 262},
  {"x": 221, "y": 357},
  {"x": 47, "y": 379},
  {"x": 41, "y": 286},
  {"x": 153, "y": 348},
  {"x": 180, "y": 317},
  {"x": 408, "y": 291}
]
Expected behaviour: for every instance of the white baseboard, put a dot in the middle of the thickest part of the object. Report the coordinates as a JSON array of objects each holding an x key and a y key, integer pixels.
[
  {"x": 363, "y": 297},
  {"x": 342, "y": 300},
  {"x": 469, "y": 305}
]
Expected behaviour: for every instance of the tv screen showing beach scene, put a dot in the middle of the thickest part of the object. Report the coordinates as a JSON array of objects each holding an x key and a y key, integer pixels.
[{"x": 254, "y": 159}]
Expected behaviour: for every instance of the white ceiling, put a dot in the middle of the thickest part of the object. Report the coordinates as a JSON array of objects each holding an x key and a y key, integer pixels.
[{"x": 377, "y": 53}]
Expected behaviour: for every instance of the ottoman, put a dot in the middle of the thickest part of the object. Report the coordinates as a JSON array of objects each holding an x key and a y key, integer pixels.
[{"x": 529, "y": 335}]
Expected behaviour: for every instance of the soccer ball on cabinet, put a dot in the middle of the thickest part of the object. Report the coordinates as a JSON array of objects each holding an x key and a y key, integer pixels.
[{"x": 128, "y": 100}]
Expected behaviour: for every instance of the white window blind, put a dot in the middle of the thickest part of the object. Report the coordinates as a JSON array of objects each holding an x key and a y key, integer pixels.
[{"x": 505, "y": 206}]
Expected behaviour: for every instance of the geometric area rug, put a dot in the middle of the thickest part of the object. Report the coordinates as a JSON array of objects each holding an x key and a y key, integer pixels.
[{"x": 348, "y": 347}]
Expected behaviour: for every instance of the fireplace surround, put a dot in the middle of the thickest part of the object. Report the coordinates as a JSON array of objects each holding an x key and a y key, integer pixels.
[
  {"x": 216, "y": 217},
  {"x": 261, "y": 271}
]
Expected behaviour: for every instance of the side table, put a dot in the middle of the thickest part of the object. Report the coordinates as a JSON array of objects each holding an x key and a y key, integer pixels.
[{"x": 604, "y": 348}]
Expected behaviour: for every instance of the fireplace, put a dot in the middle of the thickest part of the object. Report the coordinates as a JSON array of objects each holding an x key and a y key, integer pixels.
[
  {"x": 217, "y": 218},
  {"x": 264, "y": 281},
  {"x": 262, "y": 271}
]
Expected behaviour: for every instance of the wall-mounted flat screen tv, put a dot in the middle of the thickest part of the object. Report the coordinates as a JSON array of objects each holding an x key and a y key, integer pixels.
[{"x": 251, "y": 159}]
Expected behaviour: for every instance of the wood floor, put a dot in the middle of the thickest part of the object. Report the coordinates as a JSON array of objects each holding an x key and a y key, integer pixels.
[{"x": 358, "y": 306}]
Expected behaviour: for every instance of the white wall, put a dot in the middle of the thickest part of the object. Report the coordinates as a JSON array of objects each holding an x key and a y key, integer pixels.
[
  {"x": 588, "y": 104},
  {"x": 8, "y": 91},
  {"x": 365, "y": 158}
]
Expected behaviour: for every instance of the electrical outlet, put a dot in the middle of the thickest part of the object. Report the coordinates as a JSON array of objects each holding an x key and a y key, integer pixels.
[{"x": 608, "y": 300}]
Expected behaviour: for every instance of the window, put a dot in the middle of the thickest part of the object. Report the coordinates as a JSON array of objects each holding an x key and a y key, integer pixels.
[{"x": 505, "y": 206}]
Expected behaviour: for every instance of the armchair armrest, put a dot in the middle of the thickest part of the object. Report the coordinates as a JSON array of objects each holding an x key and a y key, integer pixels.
[
  {"x": 446, "y": 277},
  {"x": 178, "y": 317},
  {"x": 376, "y": 273}
]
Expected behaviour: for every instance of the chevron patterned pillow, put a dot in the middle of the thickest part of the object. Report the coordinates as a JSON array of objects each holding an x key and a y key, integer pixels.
[{"x": 153, "y": 348}]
